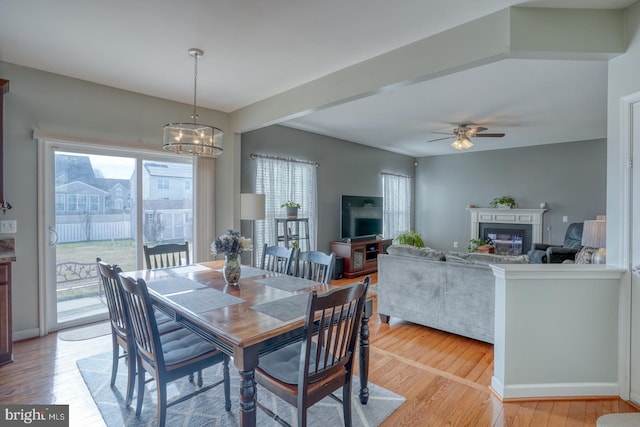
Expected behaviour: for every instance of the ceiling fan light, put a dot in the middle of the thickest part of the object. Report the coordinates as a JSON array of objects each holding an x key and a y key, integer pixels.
[
  {"x": 457, "y": 145},
  {"x": 466, "y": 143}
]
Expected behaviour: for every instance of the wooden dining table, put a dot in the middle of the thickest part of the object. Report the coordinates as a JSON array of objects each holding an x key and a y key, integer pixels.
[{"x": 263, "y": 313}]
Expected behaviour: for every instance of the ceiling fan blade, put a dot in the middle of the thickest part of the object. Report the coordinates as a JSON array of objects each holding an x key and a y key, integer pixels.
[
  {"x": 474, "y": 130},
  {"x": 489, "y": 135},
  {"x": 440, "y": 139}
]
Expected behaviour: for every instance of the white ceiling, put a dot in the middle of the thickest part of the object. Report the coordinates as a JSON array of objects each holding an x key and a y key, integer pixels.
[{"x": 255, "y": 49}]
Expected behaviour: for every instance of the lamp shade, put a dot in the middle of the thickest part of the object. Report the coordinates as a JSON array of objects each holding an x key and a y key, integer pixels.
[
  {"x": 594, "y": 233},
  {"x": 252, "y": 206}
]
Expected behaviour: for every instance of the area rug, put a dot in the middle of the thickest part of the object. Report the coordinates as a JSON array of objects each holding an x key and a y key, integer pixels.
[
  {"x": 85, "y": 332},
  {"x": 207, "y": 409}
]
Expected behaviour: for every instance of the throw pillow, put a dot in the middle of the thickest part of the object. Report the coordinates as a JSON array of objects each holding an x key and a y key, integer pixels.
[
  {"x": 408, "y": 250},
  {"x": 479, "y": 258},
  {"x": 585, "y": 255}
]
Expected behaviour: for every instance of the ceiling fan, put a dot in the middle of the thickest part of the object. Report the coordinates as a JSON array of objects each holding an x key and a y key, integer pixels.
[{"x": 463, "y": 133}]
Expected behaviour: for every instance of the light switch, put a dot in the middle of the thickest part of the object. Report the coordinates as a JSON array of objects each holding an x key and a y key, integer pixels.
[
  {"x": 565, "y": 219},
  {"x": 8, "y": 226}
]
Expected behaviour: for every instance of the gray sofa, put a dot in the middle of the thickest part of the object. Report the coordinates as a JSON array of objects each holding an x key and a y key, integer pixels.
[{"x": 450, "y": 291}]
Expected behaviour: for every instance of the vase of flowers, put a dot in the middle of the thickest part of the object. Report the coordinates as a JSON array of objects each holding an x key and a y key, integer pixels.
[{"x": 231, "y": 245}]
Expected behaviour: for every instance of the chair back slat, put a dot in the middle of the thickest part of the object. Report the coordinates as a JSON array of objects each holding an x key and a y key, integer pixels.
[
  {"x": 277, "y": 258},
  {"x": 113, "y": 294},
  {"x": 167, "y": 255},
  {"x": 331, "y": 331},
  {"x": 315, "y": 265},
  {"x": 143, "y": 321}
]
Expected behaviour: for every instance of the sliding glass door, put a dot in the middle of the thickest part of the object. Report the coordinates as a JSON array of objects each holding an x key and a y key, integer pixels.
[{"x": 105, "y": 203}]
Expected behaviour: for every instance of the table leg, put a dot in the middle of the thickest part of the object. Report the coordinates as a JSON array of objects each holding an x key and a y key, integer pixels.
[
  {"x": 247, "y": 398},
  {"x": 246, "y": 360},
  {"x": 364, "y": 355}
]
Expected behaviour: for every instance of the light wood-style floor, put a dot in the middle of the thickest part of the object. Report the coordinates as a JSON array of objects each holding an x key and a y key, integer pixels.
[{"x": 445, "y": 379}]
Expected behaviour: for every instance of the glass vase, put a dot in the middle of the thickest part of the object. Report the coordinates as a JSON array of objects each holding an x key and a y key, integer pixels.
[{"x": 231, "y": 269}]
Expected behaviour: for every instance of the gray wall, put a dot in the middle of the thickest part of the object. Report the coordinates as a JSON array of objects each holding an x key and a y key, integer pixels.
[
  {"x": 344, "y": 168},
  {"x": 54, "y": 103},
  {"x": 569, "y": 177}
]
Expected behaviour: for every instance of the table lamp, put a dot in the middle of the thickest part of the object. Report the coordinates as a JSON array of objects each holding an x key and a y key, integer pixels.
[
  {"x": 252, "y": 207},
  {"x": 594, "y": 235}
]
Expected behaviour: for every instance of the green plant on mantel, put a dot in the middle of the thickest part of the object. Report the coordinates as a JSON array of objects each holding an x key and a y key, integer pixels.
[
  {"x": 503, "y": 200},
  {"x": 409, "y": 238}
]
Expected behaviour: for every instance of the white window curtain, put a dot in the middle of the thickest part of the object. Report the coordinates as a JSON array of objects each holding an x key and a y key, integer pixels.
[
  {"x": 397, "y": 194},
  {"x": 281, "y": 180}
]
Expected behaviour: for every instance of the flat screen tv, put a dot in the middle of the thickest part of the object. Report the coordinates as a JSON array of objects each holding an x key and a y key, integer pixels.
[{"x": 361, "y": 216}]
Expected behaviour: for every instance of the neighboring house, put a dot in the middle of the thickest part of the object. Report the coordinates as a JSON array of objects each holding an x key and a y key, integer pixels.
[
  {"x": 80, "y": 198},
  {"x": 162, "y": 181}
]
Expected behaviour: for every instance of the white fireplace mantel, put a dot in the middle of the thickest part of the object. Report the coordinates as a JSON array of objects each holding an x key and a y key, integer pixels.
[{"x": 508, "y": 216}]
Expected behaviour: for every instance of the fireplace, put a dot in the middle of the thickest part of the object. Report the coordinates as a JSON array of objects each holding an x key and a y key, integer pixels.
[
  {"x": 514, "y": 229},
  {"x": 508, "y": 239}
]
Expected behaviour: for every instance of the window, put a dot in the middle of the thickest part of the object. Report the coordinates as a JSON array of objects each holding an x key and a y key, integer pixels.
[
  {"x": 397, "y": 194},
  {"x": 282, "y": 180},
  {"x": 187, "y": 185},
  {"x": 60, "y": 198},
  {"x": 94, "y": 203},
  {"x": 82, "y": 202},
  {"x": 163, "y": 183},
  {"x": 72, "y": 203}
]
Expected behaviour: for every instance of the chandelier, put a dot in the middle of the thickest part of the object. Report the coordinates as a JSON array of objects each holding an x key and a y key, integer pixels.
[{"x": 193, "y": 138}]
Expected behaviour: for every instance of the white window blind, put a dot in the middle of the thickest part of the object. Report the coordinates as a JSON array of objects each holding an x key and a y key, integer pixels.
[
  {"x": 397, "y": 193},
  {"x": 281, "y": 180}
]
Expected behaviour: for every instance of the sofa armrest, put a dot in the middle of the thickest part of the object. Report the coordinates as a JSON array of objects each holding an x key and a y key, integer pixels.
[{"x": 557, "y": 255}]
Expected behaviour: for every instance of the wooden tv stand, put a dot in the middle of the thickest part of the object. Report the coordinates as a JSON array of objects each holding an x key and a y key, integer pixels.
[{"x": 360, "y": 256}]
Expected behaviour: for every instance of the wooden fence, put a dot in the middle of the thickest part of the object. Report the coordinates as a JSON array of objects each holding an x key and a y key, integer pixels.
[{"x": 79, "y": 232}]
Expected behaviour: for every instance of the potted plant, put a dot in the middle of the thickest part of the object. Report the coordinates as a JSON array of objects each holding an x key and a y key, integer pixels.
[
  {"x": 409, "y": 238},
  {"x": 503, "y": 202},
  {"x": 292, "y": 209}
]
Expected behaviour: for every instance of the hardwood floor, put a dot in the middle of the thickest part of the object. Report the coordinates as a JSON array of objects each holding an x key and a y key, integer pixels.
[{"x": 445, "y": 379}]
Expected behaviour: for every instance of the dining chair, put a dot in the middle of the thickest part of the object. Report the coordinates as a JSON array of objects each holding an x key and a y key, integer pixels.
[
  {"x": 277, "y": 258},
  {"x": 305, "y": 372},
  {"x": 119, "y": 320},
  {"x": 169, "y": 356},
  {"x": 315, "y": 265},
  {"x": 166, "y": 255}
]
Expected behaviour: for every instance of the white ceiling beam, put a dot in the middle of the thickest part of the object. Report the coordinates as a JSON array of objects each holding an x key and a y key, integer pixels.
[{"x": 513, "y": 32}]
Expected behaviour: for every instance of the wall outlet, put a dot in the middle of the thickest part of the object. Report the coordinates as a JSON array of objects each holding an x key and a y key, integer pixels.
[
  {"x": 455, "y": 245},
  {"x": 8, "y": 226}
]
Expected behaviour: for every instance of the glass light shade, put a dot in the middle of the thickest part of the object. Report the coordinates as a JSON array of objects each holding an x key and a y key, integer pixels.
[
  {"x": 193, "y": 138},
  {"x": 457, "y": 145},
  {"x": 466, "y": 143}
]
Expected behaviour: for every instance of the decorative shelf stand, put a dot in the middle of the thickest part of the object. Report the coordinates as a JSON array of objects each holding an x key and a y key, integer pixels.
[{"x": 293, "y": 230}]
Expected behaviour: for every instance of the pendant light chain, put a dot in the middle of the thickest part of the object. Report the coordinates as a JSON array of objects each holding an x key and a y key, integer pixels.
[{"x": 195, "y": 85}]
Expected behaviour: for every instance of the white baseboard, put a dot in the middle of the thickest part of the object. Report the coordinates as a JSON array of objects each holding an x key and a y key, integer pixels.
[
  {"x": 532, "y": 391},
  {"x": 26, "y": 334}
]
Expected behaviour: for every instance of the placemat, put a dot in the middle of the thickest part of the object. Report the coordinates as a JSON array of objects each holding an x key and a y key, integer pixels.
[
  {"x": 201, "y": 300},
  {"x": 173, "y": 284},
  {"x": 285, "y": 309},
  {"x": 247, "y": 271},
  {"x": 287, "y": 283},
  {"x": 183, "y": 269}
]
